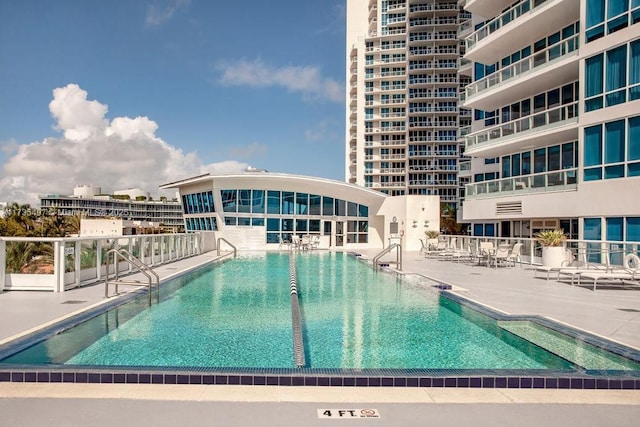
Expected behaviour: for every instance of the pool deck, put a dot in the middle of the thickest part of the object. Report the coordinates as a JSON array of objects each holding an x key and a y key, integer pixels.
[{"x": 611, "y": 313}]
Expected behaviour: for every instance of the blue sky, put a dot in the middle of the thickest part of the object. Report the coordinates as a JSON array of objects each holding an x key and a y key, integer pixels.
[{"x": 127, "y": 93}]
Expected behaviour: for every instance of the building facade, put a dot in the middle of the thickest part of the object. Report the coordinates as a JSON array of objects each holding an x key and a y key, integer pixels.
[
  {"x": 402, "y": 115},
  {"x": 91, "y": 203},
  {"x": 263, "y": 210},
  {"x": 555, "y": 137}
]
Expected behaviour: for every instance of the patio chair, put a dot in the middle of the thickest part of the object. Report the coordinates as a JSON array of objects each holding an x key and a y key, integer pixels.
[
  {"x": 284, "y": 244},
  {"x": 315, "y": 241},
  {"x": 515, "y": 254},
  {"x": 295, "y": 242},
  {"x": 423, "y": 247},
  {"x": 475, "y": 255},
  {"x": 486, "y": 251},
  {"x": 500, "y": 256},
  {"x": 305, "y": 242}
]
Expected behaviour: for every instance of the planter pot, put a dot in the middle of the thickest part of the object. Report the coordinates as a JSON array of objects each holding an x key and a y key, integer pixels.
[{"x": 553, "y": 256}]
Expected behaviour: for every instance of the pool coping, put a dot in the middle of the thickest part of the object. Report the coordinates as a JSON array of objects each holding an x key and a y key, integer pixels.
[{"x": 445, "y": 378}]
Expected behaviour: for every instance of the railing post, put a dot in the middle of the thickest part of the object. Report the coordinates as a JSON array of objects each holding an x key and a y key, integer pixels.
[
  {"x": 98, "y": 259},
  {"x": 3, "y": 264},
  {"x": 77, "y": 260},
  {"x": 58, "y": 266}
]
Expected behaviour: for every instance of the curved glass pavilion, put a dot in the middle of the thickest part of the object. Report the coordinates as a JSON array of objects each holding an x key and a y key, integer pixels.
[{"x": 259, "y": 210}]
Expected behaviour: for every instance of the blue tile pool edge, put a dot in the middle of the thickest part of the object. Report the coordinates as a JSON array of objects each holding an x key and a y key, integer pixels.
[{"x": 496, "y": 379}]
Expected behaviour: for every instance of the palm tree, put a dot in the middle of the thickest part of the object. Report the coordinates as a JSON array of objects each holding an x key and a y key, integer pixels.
[
  {"x": 448, "y": 220},
  {"x": 23, "y": 256}
]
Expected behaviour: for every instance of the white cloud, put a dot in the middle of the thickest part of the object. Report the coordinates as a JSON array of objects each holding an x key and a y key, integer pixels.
[
  {"x": 306, "y": 80},
  {"x": 160, "y": 11},
  {"x": 324, "y": 130},
  {"x": 249, "y": 151},
  {"x": 9, "y": 146},
  {"x": 114, "y": 154}
]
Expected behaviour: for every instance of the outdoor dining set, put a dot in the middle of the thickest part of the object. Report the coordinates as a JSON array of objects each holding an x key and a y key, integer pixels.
[{"x": 485, "y": 253}]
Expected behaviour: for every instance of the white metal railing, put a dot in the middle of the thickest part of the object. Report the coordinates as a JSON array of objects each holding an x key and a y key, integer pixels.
[
  {"x": 433, "y": 182},
  {"x": 421, "y": 168},
  {"x": 59, "y": 264},
  {"x": 429, "y": 7},
  {"x": 560, "y": 180},
  {"x": 604, "y": 252},
  {"x": 534, "y": 62},
  {"x": 520, "y": 9},
  {"x": 432, "y": 153},
  {"x": 392, "y": 170},
  {"x": 537, "y": 122}
]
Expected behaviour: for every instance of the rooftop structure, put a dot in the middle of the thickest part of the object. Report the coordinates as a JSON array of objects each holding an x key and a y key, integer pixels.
[
  {"x": 555, "y": 140},
  {"x": 260, "y": 210}
]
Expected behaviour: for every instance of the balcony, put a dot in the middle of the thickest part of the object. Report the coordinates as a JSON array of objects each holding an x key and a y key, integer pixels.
[
  {"x": 465, "y": 67},
  {"x": 526, "y": 21},
  {"x": 551, "y": 126},
  {"x": 465, "y": 28},
  {"x": 465, "y": 169},
  {"x": 553, "y": 66},
  {"x": 486, "y": 8},
  {"x": 560, "y": 180},
  {"x": 433, "y": 182}
]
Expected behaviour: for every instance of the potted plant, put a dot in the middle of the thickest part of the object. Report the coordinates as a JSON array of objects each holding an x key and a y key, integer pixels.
[{"x": 552, "y": 242}]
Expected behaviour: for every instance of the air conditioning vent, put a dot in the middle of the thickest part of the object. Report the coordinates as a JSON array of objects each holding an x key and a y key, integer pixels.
[{"x": 509, "y": 208}]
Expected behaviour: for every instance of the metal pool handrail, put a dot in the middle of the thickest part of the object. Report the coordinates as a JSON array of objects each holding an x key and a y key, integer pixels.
[
  {"x": 296, "y": 327},
  {"x": 386, "y": 251},
  {"x": 135, "y": 262},
  {"x": 235, "y": 250}
]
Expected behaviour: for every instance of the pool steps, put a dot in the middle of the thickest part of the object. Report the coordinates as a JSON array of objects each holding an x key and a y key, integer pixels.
[{"x": 579, "y": 353}]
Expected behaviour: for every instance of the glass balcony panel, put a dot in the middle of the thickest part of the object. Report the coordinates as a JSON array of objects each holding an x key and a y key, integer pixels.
[
  {"x": 523, "y": 66},
  {"x": 540, "y": 182}
]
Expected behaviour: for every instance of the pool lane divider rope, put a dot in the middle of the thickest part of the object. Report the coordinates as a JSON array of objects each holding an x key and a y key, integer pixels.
[{"x": 298, "y": 343}]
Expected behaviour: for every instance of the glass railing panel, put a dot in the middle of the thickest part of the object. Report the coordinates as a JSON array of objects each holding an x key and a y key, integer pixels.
[
  {"x": 546, "y": 181},
  {"x": 505, "y": 18},
  {"x": 550, "y": 118},
  {"x": 525, "y": 65}
]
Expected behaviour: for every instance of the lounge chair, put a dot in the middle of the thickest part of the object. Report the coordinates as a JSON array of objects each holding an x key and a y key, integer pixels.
[
  {"x": 575, "y": 272},
  {"x": 437, "y": 250},
  {"x": 615, "y": 275},
  {"x": 569, "y": 264}
]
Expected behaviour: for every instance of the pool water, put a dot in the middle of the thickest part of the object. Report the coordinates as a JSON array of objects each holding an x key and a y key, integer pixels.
[{"x": 237, "y": 314}]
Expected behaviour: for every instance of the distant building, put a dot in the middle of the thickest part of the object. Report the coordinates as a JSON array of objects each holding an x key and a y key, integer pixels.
[
  {"x": 132, "y": 204},
  {"x": 97, "y": 227},
  {"x": 404, "y": 74}
]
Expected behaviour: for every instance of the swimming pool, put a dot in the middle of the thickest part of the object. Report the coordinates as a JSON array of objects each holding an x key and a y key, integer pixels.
[{"x": 236, "y": 317}]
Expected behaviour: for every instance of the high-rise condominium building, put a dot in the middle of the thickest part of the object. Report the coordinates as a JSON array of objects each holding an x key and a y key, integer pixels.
[
  {"x": 555, "y": 138},
  {"x": 402, "y": 96}
]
